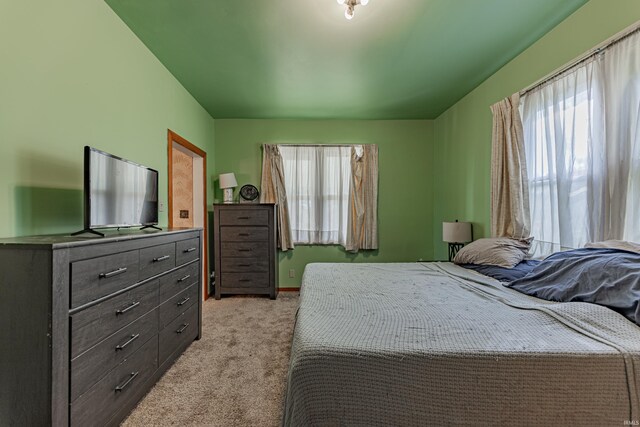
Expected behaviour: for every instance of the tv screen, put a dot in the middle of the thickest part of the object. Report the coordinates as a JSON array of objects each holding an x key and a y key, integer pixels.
[{"x": 118, "y": 192}]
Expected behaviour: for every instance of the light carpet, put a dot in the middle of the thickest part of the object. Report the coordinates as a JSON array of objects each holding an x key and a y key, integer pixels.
[{"x": 235, "y": 375}]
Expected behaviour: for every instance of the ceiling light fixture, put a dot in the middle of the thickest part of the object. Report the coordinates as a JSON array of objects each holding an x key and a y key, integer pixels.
[{"x": 350, "y": 6}]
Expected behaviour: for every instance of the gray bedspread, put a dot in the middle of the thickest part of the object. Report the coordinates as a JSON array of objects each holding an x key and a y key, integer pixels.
[{"x": 435, "y": 344}]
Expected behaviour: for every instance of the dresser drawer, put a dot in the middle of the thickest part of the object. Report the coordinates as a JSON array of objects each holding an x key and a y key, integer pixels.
[
  {"x": 178, "y": 333},
  {"x": 157, "y": 259},
  {"x": 179, "y": 280},
  {"x": 90, "y": 366},
  {"x": 98, "y": 277},
  {"x": 244, "y": 234},
  {"x": 187, "y": 250},
  {"x": 244, "y": 217},
  {"x": 244, "y": 280},
  {"x": 93, "y": 324},
  {"x": 177, "y": 304},
  {"x": 244, "y": 249},
  {"x": 124, "y": 384},
  {"x": 241, "y": 265}
]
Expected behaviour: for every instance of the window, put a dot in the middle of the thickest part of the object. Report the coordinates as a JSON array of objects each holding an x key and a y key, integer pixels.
[
  {"x": 560, "y": 122},
  {"x": 317, "y": 181},
  {"x": 582, "y": 143}
]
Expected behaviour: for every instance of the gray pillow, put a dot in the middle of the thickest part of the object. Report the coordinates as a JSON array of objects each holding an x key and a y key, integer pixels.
[{"x": 500, "y": 251}]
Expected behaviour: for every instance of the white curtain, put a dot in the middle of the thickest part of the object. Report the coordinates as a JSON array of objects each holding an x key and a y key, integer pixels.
[
  {"x": 582, "y": 152},
  {"x": 622, "y": 100},
  {"x": 274, "y": 191},
  {"x": 362, "y": 233},
  {"x": 317, "y": 180},
  {"x": 509, "y": 191}
]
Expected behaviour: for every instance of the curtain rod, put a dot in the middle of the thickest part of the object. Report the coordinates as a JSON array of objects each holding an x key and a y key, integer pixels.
[
  {"x": 582, "y": 58},
  {"x": 319, "y": 145}
]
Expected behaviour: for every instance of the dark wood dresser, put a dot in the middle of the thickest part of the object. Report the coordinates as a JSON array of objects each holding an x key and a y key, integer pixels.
[
  {"x": 88, "y": 325},
  {"x": 245, "y": 249}
]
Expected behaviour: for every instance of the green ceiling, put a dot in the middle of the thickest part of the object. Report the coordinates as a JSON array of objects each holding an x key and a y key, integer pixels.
[{"x": 295, "y": 59}]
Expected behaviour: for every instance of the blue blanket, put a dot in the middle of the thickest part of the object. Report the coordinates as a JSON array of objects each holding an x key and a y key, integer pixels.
[
  {"x": 609, "y": 277},
  {"x": 504, "y": 274}
]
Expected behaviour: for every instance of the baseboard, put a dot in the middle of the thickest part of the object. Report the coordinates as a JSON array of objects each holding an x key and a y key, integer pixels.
[{"x": 288, "y": 289}]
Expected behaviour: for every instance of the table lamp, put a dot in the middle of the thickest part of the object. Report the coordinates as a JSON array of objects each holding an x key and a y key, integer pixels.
[
  {"x": 456, "y": 234},
  {"x": 227, "y": 184}
]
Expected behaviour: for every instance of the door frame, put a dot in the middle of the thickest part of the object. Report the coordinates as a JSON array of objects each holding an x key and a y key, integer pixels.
[{"x": 174, "y": 138}]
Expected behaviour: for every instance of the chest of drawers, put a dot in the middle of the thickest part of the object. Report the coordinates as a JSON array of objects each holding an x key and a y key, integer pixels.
[
  {"x": 245, "y": 249},
  {"x": 87, "y": 326}
]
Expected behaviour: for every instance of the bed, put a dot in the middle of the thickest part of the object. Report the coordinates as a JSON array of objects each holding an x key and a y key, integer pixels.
[{"x": 437, "y": 344}]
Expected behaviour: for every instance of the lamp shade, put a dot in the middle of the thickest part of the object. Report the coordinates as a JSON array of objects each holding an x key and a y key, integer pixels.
[
  {"x": 228, "y": 180},
  {"x": 456, "y": 232}
]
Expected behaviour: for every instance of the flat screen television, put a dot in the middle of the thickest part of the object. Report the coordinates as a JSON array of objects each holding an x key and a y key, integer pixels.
[{"x": 118, "y": 192}]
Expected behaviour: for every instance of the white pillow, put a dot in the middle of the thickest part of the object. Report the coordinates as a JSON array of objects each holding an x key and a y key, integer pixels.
[
  {"x": 500, "y": 251},
  {"x": 615, "y": 244}
]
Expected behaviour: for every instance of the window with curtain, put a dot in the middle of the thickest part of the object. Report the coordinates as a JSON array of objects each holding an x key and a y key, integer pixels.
[
  {"x": 582, "y": 145},
  {"x": 317, "y": 181}
]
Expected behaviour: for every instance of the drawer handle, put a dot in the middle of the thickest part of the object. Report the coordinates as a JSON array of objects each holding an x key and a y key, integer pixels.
[
  {"x": 245, "y": 250},
  {"x": 244, "y": 265},
  {"x": 122, "y": 386},
  {"x": 129, "y": 307},
  {"x": 184, "y": 301},
  {"x": 161, "y": 258},
  {"x": 243, "y": 234},
  {"x": 184, "y": 278},
  {"x": 181, "y": 330},
  {"x": 129, "y": 341},
  {"x": 244, "y": 217},
  {"x": 244, "y": 280},
  {"x": 186, "y": 251},
  {"x": 112, "y": 273}
]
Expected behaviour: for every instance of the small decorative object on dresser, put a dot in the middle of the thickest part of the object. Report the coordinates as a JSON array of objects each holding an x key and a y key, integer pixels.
[
  {"x": 249, "y": 194},
  {"x": 245, "y": 249}
]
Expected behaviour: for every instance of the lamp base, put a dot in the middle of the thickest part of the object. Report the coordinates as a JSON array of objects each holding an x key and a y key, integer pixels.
[
  {"x": 453, "y": 250},
  {"x": 228, "y": 195}
]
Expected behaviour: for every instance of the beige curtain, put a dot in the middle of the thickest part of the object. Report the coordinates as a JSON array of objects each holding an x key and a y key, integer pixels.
[
  {"x": 509, "y": 186},
  {"x": 273, "y": 191},
  {"x": 362, "y": 232}
]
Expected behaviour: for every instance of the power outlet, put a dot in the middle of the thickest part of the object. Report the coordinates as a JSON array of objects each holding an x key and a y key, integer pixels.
[
  {"x": 292, "y": 273},
  {"x": 160, "y": 206}
]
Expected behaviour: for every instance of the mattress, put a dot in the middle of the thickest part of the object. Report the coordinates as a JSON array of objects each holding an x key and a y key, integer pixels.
[{"x": 436, "y": 344}]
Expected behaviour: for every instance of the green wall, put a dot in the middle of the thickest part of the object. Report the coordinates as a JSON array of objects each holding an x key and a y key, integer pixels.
[
  {"x": 405, "y": 180},
  {"x": 73, "y": 74},
  {"x": 463, "y": 133}
]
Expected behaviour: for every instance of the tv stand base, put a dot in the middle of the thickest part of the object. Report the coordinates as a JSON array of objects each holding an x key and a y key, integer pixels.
[
  {"x": 151, "y": 226},
  {"x": 88, "y": 230}
]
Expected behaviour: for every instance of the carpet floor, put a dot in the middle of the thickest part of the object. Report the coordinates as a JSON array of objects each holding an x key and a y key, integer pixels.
[{"x": 235, "y": 375}]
